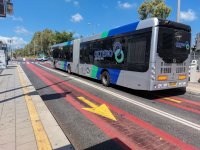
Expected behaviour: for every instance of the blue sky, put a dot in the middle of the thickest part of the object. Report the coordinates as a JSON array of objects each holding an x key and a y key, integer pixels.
[{"x": 74, "y": 15}]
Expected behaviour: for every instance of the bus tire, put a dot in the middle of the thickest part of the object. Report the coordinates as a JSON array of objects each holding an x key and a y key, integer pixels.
[
  {"x": 105, "y": 78},
  {"x": 54, "y": 65},
  {"x": 69, "y": 69}
]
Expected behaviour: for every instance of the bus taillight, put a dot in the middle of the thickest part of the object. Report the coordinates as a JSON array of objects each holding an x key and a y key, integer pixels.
[
  {"x": 182, "y": 77},
  {"x": 162, "y": 78}
]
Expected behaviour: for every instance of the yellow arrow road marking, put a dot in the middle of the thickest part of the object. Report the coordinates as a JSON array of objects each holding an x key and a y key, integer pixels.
[
  {"x": 102, "y": 110},
  {"x": 88, "y": 102}
]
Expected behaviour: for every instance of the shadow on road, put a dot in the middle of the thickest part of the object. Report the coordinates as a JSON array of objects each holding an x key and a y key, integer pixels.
[
  {"x": 55, "y": 96},
  {"x": 150, "y": 95},
  {"x": 113, "y": 144},
  {"x": 14, "y": 89},
  {"x": 67, "y": 147},
  {"x": 52, "y": 84},
  {"x": 13, "y": 98},
  {"x": 6, "y": 75}
]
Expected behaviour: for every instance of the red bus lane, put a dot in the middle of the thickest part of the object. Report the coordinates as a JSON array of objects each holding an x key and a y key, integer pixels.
[{"x": 128, "y": 129}]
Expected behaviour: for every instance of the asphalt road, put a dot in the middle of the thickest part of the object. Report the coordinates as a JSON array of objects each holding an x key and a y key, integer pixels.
[{"x": 144, "y": 120}]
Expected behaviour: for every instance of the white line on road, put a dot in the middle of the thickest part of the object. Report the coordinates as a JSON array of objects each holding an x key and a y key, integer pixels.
[{"x": 157, "y": 111}]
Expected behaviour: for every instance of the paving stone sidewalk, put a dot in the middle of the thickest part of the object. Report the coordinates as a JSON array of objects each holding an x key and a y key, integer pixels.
[{"x": 16, "y": 131}]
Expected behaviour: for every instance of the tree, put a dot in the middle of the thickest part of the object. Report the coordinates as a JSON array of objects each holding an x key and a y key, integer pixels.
[
  {"x": 154, "y": 8},
  {"x": 42, "y": 40},
  {"x": 60, "y": 37}
]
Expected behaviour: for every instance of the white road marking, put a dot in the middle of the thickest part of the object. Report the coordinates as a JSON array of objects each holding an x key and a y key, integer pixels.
[{"x": 155, "y": 110}]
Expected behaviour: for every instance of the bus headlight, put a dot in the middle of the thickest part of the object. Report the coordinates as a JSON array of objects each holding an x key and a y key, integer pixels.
[
  {"x": 162, "y": 78},
  {"x": 153, "y": 72},
  {"x": 153, "y": 77},
  {"x": 182, "y": 77},
  {"x": 153, "y": 67}
]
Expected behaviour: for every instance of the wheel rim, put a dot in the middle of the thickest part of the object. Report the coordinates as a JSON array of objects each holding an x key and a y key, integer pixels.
[
  {"x": 69, "y": 70},
  {"x": 104, "y": 79}
]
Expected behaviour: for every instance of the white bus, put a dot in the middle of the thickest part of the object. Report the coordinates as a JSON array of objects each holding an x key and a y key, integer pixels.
[{"x": 151, "y": 54}]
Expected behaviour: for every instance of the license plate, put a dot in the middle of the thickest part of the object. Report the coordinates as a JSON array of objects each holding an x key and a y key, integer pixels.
[{"x": 172, "y": 83}]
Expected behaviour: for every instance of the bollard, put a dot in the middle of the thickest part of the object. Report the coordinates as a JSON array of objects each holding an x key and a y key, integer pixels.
[{"x": 194, "y": 74}]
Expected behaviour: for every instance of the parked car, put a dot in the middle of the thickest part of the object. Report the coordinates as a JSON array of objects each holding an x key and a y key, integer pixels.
[{"x": 44, "y": 58}]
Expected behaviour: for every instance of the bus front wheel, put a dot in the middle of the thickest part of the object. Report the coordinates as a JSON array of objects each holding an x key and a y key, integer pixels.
[
  {"x": 105, "y": 78},
  {"x": 54, "y": 65}
]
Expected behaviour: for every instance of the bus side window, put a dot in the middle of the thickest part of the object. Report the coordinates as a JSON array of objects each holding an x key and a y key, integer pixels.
[
  {"x": 136, "y": 59},
  {"x": 55, "y": 53},
  {"x": 87, "y": 50},
  {"x": 82, "y": 53},
  {"x": 71, "y": 53},
  {"x": 91, "y": 52},
  {"x": 107, "y": 44},
  {"x": 68, "y": 53}
]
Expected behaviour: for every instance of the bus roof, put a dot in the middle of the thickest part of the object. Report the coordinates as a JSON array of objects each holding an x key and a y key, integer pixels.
[
  {"x": 63, "y": 44},
  {"x": 124, "y": 29},
  {"x": 147, "y": 23}
]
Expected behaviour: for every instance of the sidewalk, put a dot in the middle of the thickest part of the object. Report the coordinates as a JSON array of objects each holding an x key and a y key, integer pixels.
[
  {"x": 193, "y": 88},
  {"x": 25, "y": 121}
]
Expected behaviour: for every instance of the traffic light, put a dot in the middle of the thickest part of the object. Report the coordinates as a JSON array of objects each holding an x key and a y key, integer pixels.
[
  {"x": 2, "y": 8},
  {"x": 9, "y": 8}
]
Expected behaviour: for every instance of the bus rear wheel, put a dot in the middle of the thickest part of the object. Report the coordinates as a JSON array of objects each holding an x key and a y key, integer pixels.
[
  {"x": 105, "y": 78},
  {"x": 69, "y": 69}
]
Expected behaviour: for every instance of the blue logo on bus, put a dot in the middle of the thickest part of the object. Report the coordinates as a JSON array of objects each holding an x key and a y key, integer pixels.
[
  {"x": 183, "y": 45},
  {"x": 101, "y": 54},
  {"x": 119, "y": 54}
]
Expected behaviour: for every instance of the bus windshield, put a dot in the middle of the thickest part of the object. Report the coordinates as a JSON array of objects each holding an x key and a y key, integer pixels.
[{"x": 173, "y": 44}]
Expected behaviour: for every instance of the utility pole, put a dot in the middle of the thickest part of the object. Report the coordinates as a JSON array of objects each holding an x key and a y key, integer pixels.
[
  {"x": 178, "y": 10},
  {"x": 10, "y": 45},
  {"x": 34, "y": 47}
]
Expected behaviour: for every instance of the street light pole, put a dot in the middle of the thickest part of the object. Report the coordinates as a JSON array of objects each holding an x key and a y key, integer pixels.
[
  {"x": 10, "y": 45},
  {"x": 93, "y": 27},
  {"x": 178, "y": 10},
  {"x": 34, "y": 47}
]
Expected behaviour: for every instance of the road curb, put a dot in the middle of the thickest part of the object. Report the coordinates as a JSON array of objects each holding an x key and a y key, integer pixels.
[
  {"x": 55, "y": 134},
  {"x": 1, "y": 70}
]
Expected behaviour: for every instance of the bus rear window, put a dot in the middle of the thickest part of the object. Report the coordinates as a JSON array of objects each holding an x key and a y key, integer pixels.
[
  {"x": 173, "y": 41},
  {"x": 173, "y": 44}
]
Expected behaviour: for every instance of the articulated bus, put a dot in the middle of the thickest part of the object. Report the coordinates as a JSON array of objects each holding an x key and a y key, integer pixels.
[{"x": 151, "y": 54}]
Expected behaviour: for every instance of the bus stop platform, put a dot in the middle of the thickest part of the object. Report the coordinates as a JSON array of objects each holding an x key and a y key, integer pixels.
[{"x": 25, "y": 121}]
